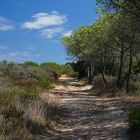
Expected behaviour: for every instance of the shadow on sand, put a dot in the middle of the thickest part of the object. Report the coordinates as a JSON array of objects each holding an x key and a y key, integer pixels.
[{"x": 87, "y": 117}]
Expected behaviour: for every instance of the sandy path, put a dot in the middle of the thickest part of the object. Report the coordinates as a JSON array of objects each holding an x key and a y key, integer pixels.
[{"x": 87, "y": 117}]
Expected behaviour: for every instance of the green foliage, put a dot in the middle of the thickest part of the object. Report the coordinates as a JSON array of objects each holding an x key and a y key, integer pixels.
[
  {"x": 54, "y": 67},
  {"x": 29, "y": 63},
  {"x": 110, "y": 45},
  {"x": 80, "y": 44},
  {"x": 102, "y": 88},
  {"x": 134, "y": 118},
  {"x": 80, "y": 67},
  {"x": 136, "y": 66},
  {"x": 12, "y": 112},
  {"x": 68, "y": 70},
  {"x": 44, "y": 82},
  {"x": 20, "y": 80},
  {"x": 22, "y": 112},
  {"x": 17, "y": 91}
]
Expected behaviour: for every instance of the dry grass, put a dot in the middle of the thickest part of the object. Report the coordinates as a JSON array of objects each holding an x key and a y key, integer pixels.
[
  {"x": 51, "y": 98},
  {"x": 26, "y": 116},
  {"x": 35, "y": 113}
]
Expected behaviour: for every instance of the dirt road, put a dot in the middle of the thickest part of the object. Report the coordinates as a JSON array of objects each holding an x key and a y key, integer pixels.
[{"x": 87, "y": 117}]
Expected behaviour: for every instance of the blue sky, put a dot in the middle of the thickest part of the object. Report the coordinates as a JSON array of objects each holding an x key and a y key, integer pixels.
[{"x": 31, "y": 29}]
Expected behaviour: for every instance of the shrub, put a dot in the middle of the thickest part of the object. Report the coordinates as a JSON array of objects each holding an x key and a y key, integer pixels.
[
  {"x": 12, "y": 129},
  {"x": 29, "y": 63},
  {"x": 134, "y": 118},
  {"x": 26, "y": 114},
  {"x": 136, "y": 66},
  {"x": 80, "y": 67},
  {"x": 6, "y": 98},
  {"x": 135, "y": 86},
  {"x": 100, "y": 84},
  {"x": 44, "y": 82},
  {"x": 52, "y": 66},
  {"x": 22, "y": 112},
  {"x": 68, "y": 70},
  {"x": 15, "y": 90}
]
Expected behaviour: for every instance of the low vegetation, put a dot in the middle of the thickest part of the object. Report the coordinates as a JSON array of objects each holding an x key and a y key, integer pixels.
[
  {"x": 134, "y": 122},
  {"x": 23, "y": 113},
  {"x": 134, "y": 118}
]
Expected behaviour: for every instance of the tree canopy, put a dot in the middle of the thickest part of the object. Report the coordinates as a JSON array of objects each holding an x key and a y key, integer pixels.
[{"x": 111, "y": 44}]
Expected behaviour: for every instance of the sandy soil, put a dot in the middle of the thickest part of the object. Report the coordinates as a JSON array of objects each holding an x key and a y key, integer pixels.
[{"x": 87, "y": 117}]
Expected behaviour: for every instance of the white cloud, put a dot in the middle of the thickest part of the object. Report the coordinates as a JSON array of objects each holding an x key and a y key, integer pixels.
[
  {"x": 52, "y": 32},
  {"x": 18, "y": 56},
  {"x": 5, "y": 24},
  {"x": 43, "y": 20},
  {"x": 49, "y": 25},
  {"x": 6, "y": 27},
  {"x": 68, "y": 33},
  {"x": 15, "y": 54}
]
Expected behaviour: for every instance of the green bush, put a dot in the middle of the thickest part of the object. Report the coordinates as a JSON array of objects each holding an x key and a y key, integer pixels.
[
  {"x": 17, "y": 91},
  {"x": 68, "y": 70},
  {"x": 136, "y": 66},
  {"x": 100, "y": 84},
  {"x": 134, "y": 118},
  {"x": 29, "y": 63},
  {"x": 80, "y": 67},
  {"x": 22, "y": 111},
  {"x": 54, "y": 67},
  {"x": 45, "y": 82}
]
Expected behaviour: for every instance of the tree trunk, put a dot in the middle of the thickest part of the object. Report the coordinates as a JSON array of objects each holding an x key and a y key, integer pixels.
[
  {"x": 104, "y": 70},
  {"x": 130, "y": 65},
  {"x": 121, "y": 65},
  {"x": 112, "y": 66},
  {"x": 104, "y": 79},
  {"x": 90, "y": 73}
]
